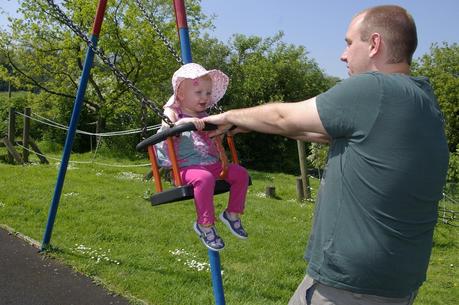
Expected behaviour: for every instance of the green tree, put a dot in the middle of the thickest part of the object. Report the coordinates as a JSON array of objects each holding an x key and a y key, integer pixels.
[
  {"x": 441, "y": 66},
  {"x": 47, "y": 57},
  {"x": 263, "y": 71}
]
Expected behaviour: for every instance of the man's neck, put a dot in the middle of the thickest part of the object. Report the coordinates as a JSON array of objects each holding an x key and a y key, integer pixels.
[{"x": 402, "y": 68}]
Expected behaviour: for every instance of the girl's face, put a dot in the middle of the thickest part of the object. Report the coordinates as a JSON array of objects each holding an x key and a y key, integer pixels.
[{"x": 194, "y": 95}]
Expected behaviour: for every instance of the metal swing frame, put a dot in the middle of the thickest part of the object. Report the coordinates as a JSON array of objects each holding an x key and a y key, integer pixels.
[{"x": 179, "y": 7}]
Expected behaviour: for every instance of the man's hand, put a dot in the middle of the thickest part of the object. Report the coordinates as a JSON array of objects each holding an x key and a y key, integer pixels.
[{"x": 221, "y": 121}]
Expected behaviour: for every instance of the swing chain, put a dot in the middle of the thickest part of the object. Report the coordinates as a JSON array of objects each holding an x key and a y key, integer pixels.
[
  {"x": 100, "y": 53},
  {"x": 143, "y": 119},
  {"x": 166, "y": 42},
  {"x": 163, "y": 38}
]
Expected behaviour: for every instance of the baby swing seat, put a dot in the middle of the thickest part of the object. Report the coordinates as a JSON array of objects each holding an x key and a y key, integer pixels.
[{"x": 179, "y": 192}]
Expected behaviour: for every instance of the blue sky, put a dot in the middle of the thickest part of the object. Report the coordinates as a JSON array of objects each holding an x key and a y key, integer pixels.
[{"x": 319, "y": 26}]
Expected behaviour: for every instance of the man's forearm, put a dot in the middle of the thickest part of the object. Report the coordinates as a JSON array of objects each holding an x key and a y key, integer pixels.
[
  {"x": 264, "y": 118},
  {"x": 287, "y": 119}
]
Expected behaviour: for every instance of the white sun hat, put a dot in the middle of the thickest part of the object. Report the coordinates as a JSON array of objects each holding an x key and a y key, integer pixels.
[{"x": 192, "y": 71}]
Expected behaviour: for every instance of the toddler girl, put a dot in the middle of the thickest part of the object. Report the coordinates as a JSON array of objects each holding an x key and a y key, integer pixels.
[{"x": 195, "y": 90}]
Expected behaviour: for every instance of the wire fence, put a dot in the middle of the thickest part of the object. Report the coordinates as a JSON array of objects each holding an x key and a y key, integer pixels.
[
  {"x": 52, "y": 124},
  {"x": 86, "y": 162},
  {"x": 38, "y": 118},
  {"x": 447, "y": 209}
]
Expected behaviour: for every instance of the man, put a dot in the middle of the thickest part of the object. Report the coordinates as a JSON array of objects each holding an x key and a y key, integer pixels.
[{"x": 377, "y": 205}]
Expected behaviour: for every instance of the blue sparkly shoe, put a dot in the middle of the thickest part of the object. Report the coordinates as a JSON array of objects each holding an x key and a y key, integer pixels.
[
  {"x": 210, "y": 239},
  {"x": 235, "y": 226}
]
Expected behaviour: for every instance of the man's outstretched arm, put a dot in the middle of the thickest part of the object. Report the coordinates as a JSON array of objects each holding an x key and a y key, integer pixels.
[{"x": 298, "y": 120}]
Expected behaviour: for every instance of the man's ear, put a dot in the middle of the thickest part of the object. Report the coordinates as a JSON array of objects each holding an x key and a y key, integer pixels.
[{"x": 375, "y": 44}]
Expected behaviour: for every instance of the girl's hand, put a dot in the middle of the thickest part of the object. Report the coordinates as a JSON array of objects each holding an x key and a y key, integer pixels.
[{"x": 198, "y": 123}]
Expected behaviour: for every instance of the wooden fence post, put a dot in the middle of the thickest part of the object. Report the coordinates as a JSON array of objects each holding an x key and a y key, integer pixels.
[
  {"x": 270, "y": 191},
  {"x": 37, "y": 151},
  {"x": 11, "y": 131},
  {"x": 304, "y": 174},
  {"x": 25, "y": 134},
  {"x": 299, "y": 189},
  {"x": 11, "y": 151}
]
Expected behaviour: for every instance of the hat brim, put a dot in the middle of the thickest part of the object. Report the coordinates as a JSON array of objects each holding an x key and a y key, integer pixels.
[{"x": 219, "y": 85}]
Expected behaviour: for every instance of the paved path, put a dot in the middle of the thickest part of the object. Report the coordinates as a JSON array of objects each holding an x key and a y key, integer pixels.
[{"x": 29, "y": 278}]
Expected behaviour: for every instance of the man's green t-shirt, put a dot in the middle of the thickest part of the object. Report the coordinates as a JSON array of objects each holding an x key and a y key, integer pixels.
[{"x": 377, "y": 205}]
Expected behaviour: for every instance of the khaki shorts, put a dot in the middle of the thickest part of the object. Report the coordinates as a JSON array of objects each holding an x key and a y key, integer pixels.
[{"x": 311, "y": 292}]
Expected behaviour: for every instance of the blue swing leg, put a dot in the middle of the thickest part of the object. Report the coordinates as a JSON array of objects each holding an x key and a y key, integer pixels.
[
  {"x": 73, "y": 124},
  {"x": 217, "y": 284}
]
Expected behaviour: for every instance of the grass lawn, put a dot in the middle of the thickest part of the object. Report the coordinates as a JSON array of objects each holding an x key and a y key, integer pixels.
[{"x": 105, "y": 228}]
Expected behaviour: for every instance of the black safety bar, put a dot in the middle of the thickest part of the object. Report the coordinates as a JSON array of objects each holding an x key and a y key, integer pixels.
[{"x": 170, "y": 132}]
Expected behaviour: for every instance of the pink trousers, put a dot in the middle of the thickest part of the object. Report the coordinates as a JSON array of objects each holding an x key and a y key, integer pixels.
[{"x": 203, "y": 178}]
